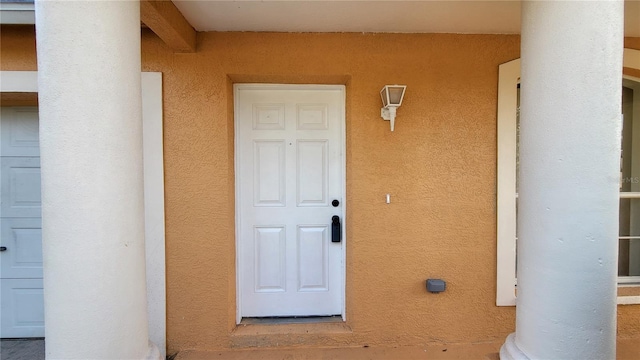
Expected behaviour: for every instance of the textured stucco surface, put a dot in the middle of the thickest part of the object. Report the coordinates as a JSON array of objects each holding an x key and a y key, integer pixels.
[{"x": 438, "y": 165}]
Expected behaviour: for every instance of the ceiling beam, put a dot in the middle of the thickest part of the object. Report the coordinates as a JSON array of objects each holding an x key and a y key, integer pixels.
[{"x": 166, "y": 21}]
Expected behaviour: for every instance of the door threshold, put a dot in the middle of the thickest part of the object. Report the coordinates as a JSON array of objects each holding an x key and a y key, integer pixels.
[
  {"x": 290, "y": 331},
  {"x": 277, "y": 320}
]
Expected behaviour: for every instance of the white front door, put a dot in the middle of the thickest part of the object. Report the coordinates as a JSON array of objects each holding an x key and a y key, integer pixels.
[
  {"x": 21, "y": 297},
  {"x": 290, "y": 184}
]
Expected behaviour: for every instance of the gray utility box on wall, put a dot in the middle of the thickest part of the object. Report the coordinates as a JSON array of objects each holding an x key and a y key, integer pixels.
[{"x": 436, "y": 285}]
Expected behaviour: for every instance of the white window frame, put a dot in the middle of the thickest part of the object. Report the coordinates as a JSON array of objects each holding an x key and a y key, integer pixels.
[
  {"x": 508, "y": 79},
  {"x": 631, "y": 280}
]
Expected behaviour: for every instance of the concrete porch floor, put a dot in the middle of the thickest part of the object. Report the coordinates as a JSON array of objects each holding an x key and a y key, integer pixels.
[
  {"x": 628, "y": 349},
  {"x": 22, "y": 349}
]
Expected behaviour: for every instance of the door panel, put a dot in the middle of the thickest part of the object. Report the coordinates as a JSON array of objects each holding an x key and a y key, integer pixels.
[
  {"x": 270, "y": 275},
  {"x": 313, "y": 261},
  {"x": 289, "y": 167},
  {"x": 269, "y": 173},
  {"x": 312, "y": 182}
]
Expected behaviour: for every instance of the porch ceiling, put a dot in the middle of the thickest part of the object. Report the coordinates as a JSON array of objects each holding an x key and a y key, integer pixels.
[
  {"x": 401, "y": 16},
  {"x": 445, "y": 16}
]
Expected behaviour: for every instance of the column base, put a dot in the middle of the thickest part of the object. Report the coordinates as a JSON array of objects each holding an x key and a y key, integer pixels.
[
  {"x": 153, "y": 353},
  {"x": 510, "y": 351}
]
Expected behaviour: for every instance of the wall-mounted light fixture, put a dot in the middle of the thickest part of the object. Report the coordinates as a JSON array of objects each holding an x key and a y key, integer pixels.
[{"x": 392, "y": 96}]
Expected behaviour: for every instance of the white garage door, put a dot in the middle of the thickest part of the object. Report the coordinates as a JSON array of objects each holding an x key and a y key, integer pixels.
[{"x": 21, "y": 298}]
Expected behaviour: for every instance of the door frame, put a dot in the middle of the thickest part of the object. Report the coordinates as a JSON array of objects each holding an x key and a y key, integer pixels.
[
  {"x": 27, "y": 82},
  {"x": 343, "y": 167}
]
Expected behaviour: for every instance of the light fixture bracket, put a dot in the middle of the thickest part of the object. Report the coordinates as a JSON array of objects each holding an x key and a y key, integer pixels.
[{"x": 389, "y": 114}]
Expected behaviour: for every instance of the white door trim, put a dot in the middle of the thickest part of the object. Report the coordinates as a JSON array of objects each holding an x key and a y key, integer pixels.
[
  {"x": 27, "y": 82},
  {"x": 343, "y": 138},
  {"x": 508, "y": 79},
  {"x": 153, "y": 162}
]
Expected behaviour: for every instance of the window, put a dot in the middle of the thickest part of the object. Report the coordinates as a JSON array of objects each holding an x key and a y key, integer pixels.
[{"x": 629, "y": 240}]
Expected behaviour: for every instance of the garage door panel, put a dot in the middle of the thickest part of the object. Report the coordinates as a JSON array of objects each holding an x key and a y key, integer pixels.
[
  {"x": 21, "y": 196},
  {"x": 23, "y": 240},
  {"x": 21, "y": 287},
  {"x": 19, "y": 133},
  {"x": 22, "y": 308}
]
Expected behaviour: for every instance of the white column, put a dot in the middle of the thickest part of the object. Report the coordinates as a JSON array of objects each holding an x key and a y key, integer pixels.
[
  {"x": 569, "y": 181},
  {"x": 92, "y": 180}
]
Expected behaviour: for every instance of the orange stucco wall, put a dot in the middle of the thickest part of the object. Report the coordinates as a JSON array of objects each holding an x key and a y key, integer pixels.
[{"x": 439, "y": 165}]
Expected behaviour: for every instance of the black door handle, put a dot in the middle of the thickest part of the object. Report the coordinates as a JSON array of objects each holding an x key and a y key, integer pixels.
[
  {"x": 336, "y": 229},
  {"x": 3, "y": 248}
]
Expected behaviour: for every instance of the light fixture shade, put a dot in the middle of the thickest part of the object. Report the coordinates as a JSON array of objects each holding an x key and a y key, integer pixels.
[{"x": 392, "y": 95}]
